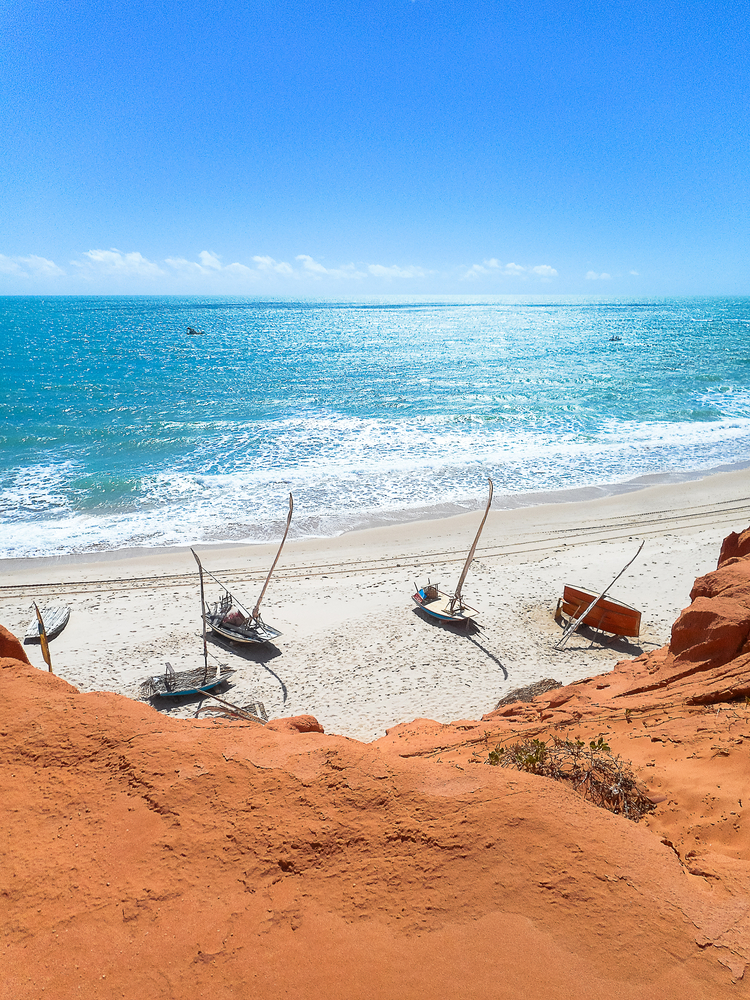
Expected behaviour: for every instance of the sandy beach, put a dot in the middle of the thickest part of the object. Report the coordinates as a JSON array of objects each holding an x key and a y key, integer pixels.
[{"x": 354, "y": 652}]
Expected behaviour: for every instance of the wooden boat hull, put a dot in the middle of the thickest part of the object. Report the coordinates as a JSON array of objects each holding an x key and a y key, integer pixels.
[
  {"x": 181, "y": 684},
  {"x": 244, "y": 634},
  {"x": 55, "y": 620},
  {"x": 608, "y": 615},
  {"x": 439, "y": 608}
]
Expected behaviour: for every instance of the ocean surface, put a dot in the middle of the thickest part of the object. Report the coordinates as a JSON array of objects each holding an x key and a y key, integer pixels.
[{"x": 119, "y": 429}]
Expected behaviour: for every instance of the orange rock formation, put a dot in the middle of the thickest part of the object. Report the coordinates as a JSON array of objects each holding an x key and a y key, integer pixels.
[{"x": 149, "y": 857}]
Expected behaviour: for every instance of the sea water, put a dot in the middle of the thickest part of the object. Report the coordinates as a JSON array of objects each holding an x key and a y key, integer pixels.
[{"x": 118, "y": 428}]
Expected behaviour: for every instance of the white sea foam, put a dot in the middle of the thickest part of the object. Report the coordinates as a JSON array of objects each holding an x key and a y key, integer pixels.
[
  {"x": 353, "y": 471},
  {"x": 364, "y": 413}
]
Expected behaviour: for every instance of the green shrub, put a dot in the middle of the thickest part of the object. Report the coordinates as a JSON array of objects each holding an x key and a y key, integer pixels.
[{"x": 594, "y": 771}]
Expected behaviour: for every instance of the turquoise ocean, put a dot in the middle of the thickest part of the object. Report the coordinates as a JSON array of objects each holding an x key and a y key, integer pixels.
[{"x": 119, "y": 429}]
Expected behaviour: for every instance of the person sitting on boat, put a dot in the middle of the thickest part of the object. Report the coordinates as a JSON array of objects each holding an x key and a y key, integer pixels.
[{"x": 234, "y": 618}]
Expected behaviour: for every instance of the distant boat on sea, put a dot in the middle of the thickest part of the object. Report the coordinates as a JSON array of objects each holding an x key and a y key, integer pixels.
[{"x": 195, "y": 333}]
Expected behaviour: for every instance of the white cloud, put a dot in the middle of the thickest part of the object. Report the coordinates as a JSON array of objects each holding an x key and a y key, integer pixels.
[
  {"x": 634, "y": 273},
  {"x": 10, "y": 265},
  {"x": 209, "y": 266},
  {"x": 113, "y": 263},
  {"x": 115, "y": 271},
  {"x": 183, "y": 265},
  {"x": 310, "y": 265},
  {"x": 593, "y": 276},
  {"x": 30, "y": 267},
  {"x": 210, "y": 260},
  {"x": 238, "y": 270},
  {"x": 40, "y": 267},
  {"x": 474, "y": 273},
  {"x": 381, "y": 271},
  {"x": 312, "y": 268},
  {"x": 276, "y": 266},
  {"x": 509, "y": 270}
]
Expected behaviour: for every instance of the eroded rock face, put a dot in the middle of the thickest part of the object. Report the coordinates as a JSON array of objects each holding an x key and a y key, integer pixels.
[
  {"x": 295, "y": 724},
  {"x": 11, "y": 648},
  {"x": 154, "y": 857},
  {"x": 734, "y": 546},
  {"x": 711, "y": 630}
]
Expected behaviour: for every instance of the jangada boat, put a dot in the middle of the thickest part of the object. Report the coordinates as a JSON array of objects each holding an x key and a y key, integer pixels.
[
  {"x": 607, "y": 614},
  {"x": 228, "y": 617},
  {"x": 178, "y": 683},
  {"x": 52, "y": 621},
  {"x": 447, "y": 607},
  {"x": 598, "y": 611}
]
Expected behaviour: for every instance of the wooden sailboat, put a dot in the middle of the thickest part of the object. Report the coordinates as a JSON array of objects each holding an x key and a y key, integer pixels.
[
  {"x": 607, "y": 614},
  {"x": 50, "y": 620},
  {"x": 446, "y": 607},
  {"x": 228, "y": 617},
  {"x": 179, "y": 683},
  {"x": 598, "y": 611}
]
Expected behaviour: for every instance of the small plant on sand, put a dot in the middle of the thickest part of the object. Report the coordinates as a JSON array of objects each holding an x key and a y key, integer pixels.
[{"x": 594, "y": 771}]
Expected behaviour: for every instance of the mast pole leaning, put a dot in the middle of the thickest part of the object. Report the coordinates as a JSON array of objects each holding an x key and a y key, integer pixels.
[
  {"x": 456, "y": 599},
  {"x": 203, "y": 613},
  {"x": 256, "y": 609}
]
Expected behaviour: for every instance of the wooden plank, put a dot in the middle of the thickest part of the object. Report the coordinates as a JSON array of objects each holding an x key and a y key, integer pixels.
[{"x": 608, "y": 615}]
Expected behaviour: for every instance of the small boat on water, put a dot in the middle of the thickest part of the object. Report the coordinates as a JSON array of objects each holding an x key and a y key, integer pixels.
[
  {"x": 177, "y": 684},
  {"x": 447, "y": 607},
  {"x": 54, "y": 621},
  {"x": 607, "y": 614},
  {"x": 195, "y": 333},
  {"x": 228, "y": 617}
]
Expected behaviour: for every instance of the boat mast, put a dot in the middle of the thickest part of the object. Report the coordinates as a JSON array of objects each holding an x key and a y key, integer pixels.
[
  {"x": 256, "y": 609},
  {"x": 203, "y": 614},
  {"x": 43, "y": 638},
  {"x": 456, "y": 599}
]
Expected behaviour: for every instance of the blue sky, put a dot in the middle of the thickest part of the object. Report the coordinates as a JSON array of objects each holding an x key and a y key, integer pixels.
[{"x": 404, "y": 146}]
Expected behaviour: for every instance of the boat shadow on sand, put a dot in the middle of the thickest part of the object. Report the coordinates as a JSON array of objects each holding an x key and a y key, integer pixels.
[
  {"x": 261, "y": 653},
  {"x": 468, "y": 629},
  {"x": 619, "y": 643},
  {"x": 465, "y": 627},
  {"x": 257, "y": 652}
]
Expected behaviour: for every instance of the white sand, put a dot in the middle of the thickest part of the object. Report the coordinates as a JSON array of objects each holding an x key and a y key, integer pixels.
[{"x": 354, "y": 651}]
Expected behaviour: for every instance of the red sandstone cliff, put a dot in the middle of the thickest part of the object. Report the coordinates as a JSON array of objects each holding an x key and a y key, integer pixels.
[{"x": 149, "y": 857}]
